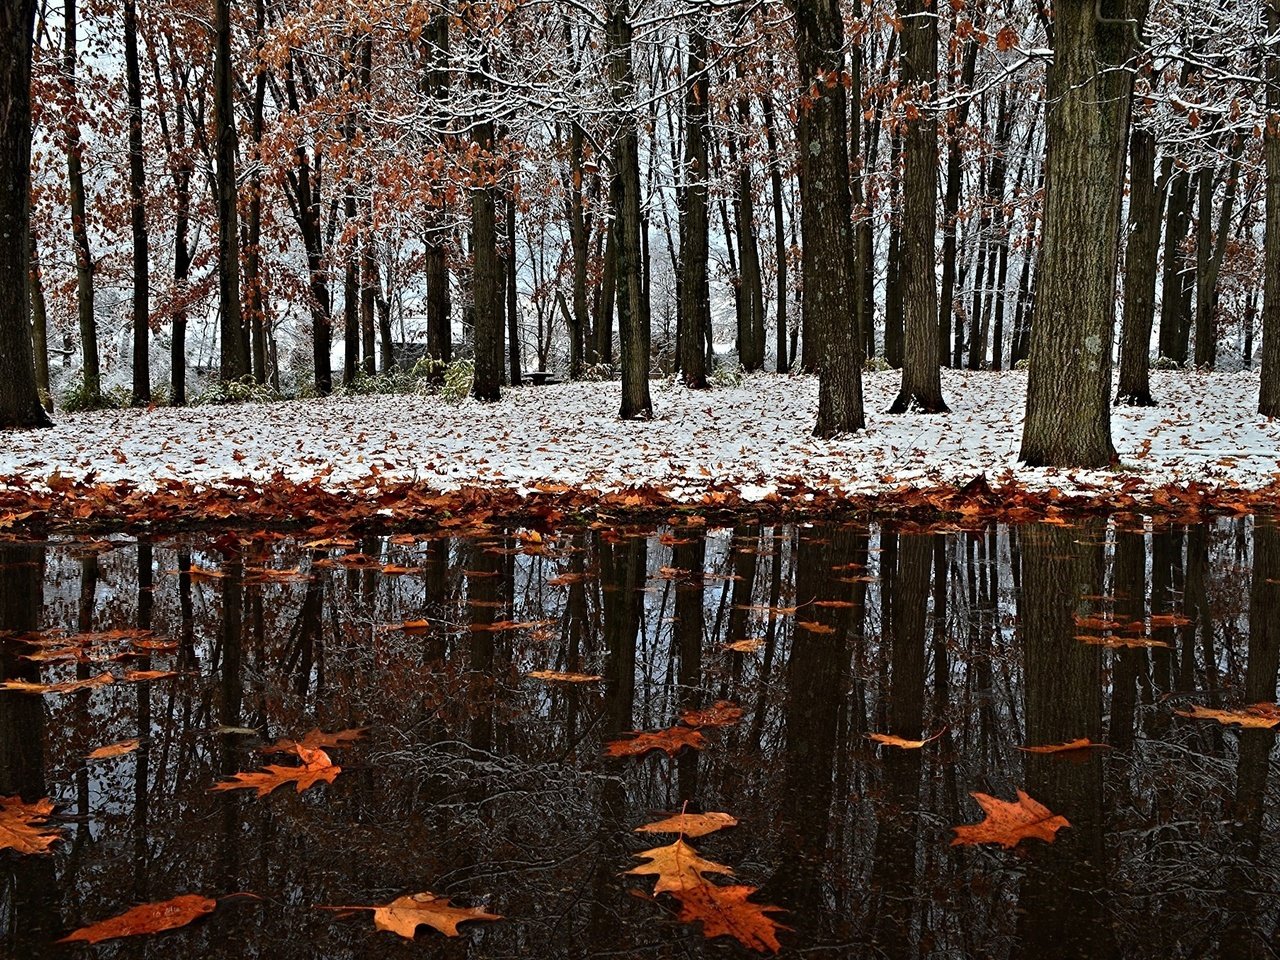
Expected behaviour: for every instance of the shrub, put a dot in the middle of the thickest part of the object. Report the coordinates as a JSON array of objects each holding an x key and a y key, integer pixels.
[
  {"x": 457, "y": 381},
  {"x": 76, "y": 399},
  {"x": 877, "y": 364},
  {"x": 1165, "y": 363},
  {"x": 595, "y": 372},
  {"x": 728, "y": 375},
  {"x": 244, "y": 390},
  {"x": 1023, "y": 364}
]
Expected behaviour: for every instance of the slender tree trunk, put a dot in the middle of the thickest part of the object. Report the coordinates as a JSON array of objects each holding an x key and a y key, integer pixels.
[
  {"x": 578, "y": 241},
  {"x": 1269, "y": 378},
  {"x": 956, "y": 120},
  {"x": 751, "y": 346},
  {"x": 633, "y": 302},
  {"x": 39, "y": 322},
  {"x": 181, "y": 265},
  {"x": 831, "y": 287},
  {"x": 695, "y": 303},
  {"x": 779, "y": 235},
  {"x": 894, "y": 330},
  {"x": 1068, "y": 420},
  {"x": 255, "y": 295},
  {"x": 234, "y": 357},
  {"x": 921, "y": 389},
  {"x": 439, "y": 307},
  {"x": 1146, "y": 200},
  {"x": 608, "y": 288},
  {"x": 79, "y": 220},
  {"x": 138, "y": 214},
  {"x": 19, "y": 396},
  {"x": 1209, "y": 268},
  {"x": 513, "y": 315}
]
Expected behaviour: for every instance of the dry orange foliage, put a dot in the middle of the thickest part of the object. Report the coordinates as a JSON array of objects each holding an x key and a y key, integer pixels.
[
  {"x": 889, "y": 740},
  {"x": 671, "y": 741},
  {"x": 750, "y": 645},
  {"x": 67, "y": 686},
  {"x": 24, "y": 827},
  {"x": 563, "y": 676},
  {"x": 1082, "y": 743},
  {"x": 722, "y": 713},
  {"x": 404, "y": 915},
  {"x": 722, "y": 910},
  {"x": 691, "y": 824},
  {"x": 114, "y": 750},
  {"x": 317, "y": 739},
  {"x": 1008, "y": 824},
  {"x": 1259, "y": 716},
  {"x": 146, "y": 918},
  {"x": 316, "y": 768}
]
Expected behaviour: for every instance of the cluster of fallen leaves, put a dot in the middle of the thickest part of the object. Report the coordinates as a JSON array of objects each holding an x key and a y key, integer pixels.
[{"x": 58, "y": 502}]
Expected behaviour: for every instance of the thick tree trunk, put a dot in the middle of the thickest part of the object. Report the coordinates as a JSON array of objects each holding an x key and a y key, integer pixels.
[
  {"x": 1269, "y": 393},
  {"x": 1209, "y": 265},
  {"x": 1146, "y": 201},
  {"x": 181, "y": 269},
  {"x": 1172, "y": 322},
  {"x": 79, "y": 221},
  {"x": 921, "y": 389},
  {"x": 695, "y": 298},
  {"x": 138, "y": 214},
  {"x": 1068, "y": 419},
  {"x": 633, "y": 301},
  {"x": 234, "y": 357},
  {"x": 751, "y": 293},
  {"x": 831, "y": 288},
  {"x": 19, "y": 398},
  {"x": 486, "y": 279}
]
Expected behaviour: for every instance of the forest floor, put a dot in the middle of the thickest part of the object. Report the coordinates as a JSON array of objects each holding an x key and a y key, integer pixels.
[{"x": 739, "y": 445}]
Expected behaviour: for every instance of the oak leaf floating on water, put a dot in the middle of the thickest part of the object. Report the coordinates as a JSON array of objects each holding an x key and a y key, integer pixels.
[
  {"x": 114, "y": 750},
  {"x": 146, "y": 918},
  {"x": 691, "y": 824},
  {"x": 902, "y": 743},
  {"x": 1081, "y": 743},
  {"x": 404, "y": 915},
  {"x": 317, "y": 739},
  {"x": 24, "y": 826},
  {"x": 1008, "y": 824},
  {"x": 316, "y": 768},
  {"x": 67, "y": 686},
  {"x": 1259, "y": 716},
  {"x": 722, "y": 713},
  {"x": 750, "y": 645},
  {"x": 671, "y": 741},
  {"x": 563, "y": 676},
  {"x": 723, "y": 911}
]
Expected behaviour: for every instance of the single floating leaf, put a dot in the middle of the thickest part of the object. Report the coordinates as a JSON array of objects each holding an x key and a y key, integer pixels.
[
  {"x": 814, "y": 627},
  {"x": 750, "y": 645},
  {"x": 677, "y": 867},
  {"x": 24, "y": 827},
  {"x": 691, "y": 824},
  {"x": 889, "y": 740},
  {"x": 146, "y": 918},
  {"x": 316, "y": 768},
  {"x": 404, "y": 915},
  {"x": 722, "y": 713},
  {"x": 145, "y": 676},
  {"x": 317, "y": 739},
  {"x": 1008, "y": 824},
  {"x": 68, "y": 686},
  {"x": 1083, "y": 743},
  {"x": 726, "y": 912},
  {"x": 114, "y": 750},
  {"x": 1259, "y": 716},
  {"x": 563, "y": 676},
  {"x": 670, "y": 741}
]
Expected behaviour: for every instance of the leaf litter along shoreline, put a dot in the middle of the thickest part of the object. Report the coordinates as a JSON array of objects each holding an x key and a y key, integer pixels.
[{"x": 545, "y": 454}]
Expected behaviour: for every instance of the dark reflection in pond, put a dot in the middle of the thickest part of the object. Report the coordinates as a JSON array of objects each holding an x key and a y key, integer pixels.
[{"x": 481, "y": 783}]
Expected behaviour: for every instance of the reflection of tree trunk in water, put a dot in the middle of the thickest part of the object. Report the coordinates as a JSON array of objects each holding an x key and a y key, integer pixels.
[
  {"x": 817, "y": 676},
  {"x": 435, "y": 566},
  {"x": 623, "y": 569},
  {"x": 310, "y": 627},
  {"x": 690, "y": 618},
  {"x": 745, "y": 559},
  {"x": 1062, "y": 898},
  {"x": 1244, "y": 938},
  {"x": 484, "y": 586},
  {"x": 84, "y": 624},
  {"x": 1164, "y": 548},
  {"x": 575, "y": 632},
  {"x": 770, "y": 638},
  {"x": 230, "y": 700},
  {"x": 30, "y": 903},
  {"x": 893, "y": 870},
  {"x": 1201, "y": 626},
  {"x": 1128, "y": 663},
  {"x": 942, "y": 674},
  {"x": 142, "y": 758}
]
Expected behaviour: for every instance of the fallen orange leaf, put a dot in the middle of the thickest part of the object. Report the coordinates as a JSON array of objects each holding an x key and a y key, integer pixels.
[
  {"x": 563, "y": 676},
  {"x": 671, "y": 741},
  {"x": 722, "y": 713},
  {"x": 1008, "y": 824},
  {"x": 146, "y": 918},
  {"x": 1259, "y": 716},
  {"x": 404, "y": 915},
  {"x": 690, "y": 824},
  {"x": 316, "y": 768},
  {"x": 23, "y": 826},
  {"x": 114, "y": 750},
  {"x": 1083, "y": 743}
]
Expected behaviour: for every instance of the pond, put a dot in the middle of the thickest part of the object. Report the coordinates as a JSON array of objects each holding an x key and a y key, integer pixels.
[{"x": 474, "y": 780}]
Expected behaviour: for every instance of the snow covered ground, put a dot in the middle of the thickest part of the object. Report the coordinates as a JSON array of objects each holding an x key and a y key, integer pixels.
[{"x": 751, "y": 437}]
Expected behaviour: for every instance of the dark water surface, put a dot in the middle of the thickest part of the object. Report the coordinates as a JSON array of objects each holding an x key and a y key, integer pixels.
[{"x": 478, "y": 782}]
